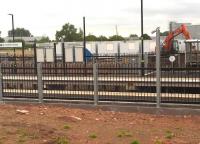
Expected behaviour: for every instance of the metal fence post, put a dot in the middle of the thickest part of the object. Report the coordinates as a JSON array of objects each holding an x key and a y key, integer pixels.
[
  {"x": 1, "y": 85},
  {"x": 158, "y": 70},
  {"x": 139, "y": 64},
  {"x": 40, "y": 82},
  {"x": 95, "y": 76}
]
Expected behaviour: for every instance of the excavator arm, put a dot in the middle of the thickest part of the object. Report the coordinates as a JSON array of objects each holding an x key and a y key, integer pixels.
[{"x": 181, "y": 30}]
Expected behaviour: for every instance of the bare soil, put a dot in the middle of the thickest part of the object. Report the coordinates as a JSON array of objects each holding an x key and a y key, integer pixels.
[{"x": 50, "y": 124}]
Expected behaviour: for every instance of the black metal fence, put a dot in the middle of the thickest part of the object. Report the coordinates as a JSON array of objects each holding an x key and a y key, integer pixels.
[{"x": 119, "y": 81}]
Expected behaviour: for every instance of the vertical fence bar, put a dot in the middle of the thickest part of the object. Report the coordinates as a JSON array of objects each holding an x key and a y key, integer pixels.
[
  {"x": 158, "y": 70},
  {"x": 23, "y": 60},
  {"x": 1, "y": 85},
  {"x": 95, "y": 75},
  {"x": 40, "y": 83},
  {"x": 35, "y": 57},
  {"x": 63, "y": 55}
]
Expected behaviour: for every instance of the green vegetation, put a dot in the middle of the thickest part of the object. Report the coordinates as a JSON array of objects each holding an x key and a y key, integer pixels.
[
  {"x": 102, "y": 38},
  {"x": 116, "y": 38},
  {"x": 164, "y": 33},
  {"x": 124, "y": 133},
  {"x": 91, "y": 37},
  {"x": 66, "y": 126},
  {"x": 93, "y": 136},
  {"x": 146, "y": 37},
  {"x": 135, "y": 142},
  {"x": 69, "y": 33},
  {"x": 20, "y": 32},
  {"x": 158, "y": 142},
  {"x": 44, "y": 39},
  {"x": 169, "y": 135},
  {"x": 1, "y": 39},
  {"x": 24, "y": 135},
  {"x": 61, "y": 140}
]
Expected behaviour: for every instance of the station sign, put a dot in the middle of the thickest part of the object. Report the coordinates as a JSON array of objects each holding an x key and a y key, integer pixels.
[
  {"x": 11, "y": 45},
  {"x": 172, "y": 59}
]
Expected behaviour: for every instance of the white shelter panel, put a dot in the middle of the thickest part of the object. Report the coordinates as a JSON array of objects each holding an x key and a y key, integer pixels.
[
  {"x": 131, "y": 46},
  {"x": 110, "y": 47},
  {"x": 68, "y": 54},
  {"x": 49, "y": 55},
  {"x": 40, "y": 55},
  {"x": 89, "y": 47},
  {"x": 78, "y": 54}
]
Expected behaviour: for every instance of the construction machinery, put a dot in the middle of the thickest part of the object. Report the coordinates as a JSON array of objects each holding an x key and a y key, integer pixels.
[{"x": 170, "y": 45}]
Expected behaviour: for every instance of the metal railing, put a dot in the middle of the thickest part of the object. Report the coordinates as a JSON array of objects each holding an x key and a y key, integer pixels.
[{"x": 101, "y": 81}]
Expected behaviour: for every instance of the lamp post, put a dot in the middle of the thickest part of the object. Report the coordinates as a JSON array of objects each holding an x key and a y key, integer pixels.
[
  {"x": 142, "y": 40},
  {"x": 84, "y": 40},
  {"x": 13, "y": 35}
]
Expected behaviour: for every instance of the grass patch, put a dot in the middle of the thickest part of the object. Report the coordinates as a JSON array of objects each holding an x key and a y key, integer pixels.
[
  {"x": 93, "y": 136},
  {"x": 135, "y": 142},
  {"x": 61, "y": 140},
  {"x": 124, "y": 133},
  {"x": 158, "y": 142},
  {"x": 66, "y": 126},
  {"x": 169, "y": 135},
  {"x": 23, "y": 136}
]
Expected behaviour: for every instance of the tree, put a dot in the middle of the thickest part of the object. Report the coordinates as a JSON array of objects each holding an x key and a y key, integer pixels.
[
  {"x": 133, "y": 36},
  {"x": 19, "y": 32},
  {"x": 91, "y": 37},
  {"x": 44, "y": 39},
  {"x": 116, "y": 38},
  {"x": 164, "y": 33},
  {"x": 146, "y": 37},
  {"x": 1, "y": 39},
  {"x": 102, "y": 38},
  {"x": 69, "y": 33}
]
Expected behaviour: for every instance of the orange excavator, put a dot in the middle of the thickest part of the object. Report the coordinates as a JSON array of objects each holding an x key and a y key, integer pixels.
[{"x": 169, "y": 43}]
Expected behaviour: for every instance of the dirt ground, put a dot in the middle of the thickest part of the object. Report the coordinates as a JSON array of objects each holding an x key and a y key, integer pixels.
[{"x": 50, "y": 124}]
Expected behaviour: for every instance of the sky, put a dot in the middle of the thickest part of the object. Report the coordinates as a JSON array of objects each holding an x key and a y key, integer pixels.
[{"x": 45, "y": 17}]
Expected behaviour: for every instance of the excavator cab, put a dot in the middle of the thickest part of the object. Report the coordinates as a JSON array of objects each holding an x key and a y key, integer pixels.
[
  {"x": 175, "y": 46},
  {"x": 170, "y": 45}
]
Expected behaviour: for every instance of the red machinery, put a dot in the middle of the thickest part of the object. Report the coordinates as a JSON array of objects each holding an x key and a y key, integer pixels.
[{"x": 169, "y": 39}]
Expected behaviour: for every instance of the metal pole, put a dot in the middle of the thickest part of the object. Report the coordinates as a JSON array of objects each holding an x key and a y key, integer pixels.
[
  {"x": 158, "y": 69},
  {"x": 63, "y": 54},
  {"x": 95, "y": 75},
  {"x": 142, "y": 40},
  {"x": 54, "y": 48},
  {"x": 1, "y": 84},
  {"x": 84, "y": 39},
  {"x": 35, "y": 56},
  {"x": 118, "y": 51},
  {"x": 40, "y": 83},
  {"x": 13, "y": 35},
  {"x": 23, "y": 61}
]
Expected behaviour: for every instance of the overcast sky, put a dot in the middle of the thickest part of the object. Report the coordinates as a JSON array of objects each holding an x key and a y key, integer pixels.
[{"x": 44, "y": 17}]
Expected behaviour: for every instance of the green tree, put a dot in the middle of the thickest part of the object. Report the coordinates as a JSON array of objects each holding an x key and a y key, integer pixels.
[
  {"x": 164, "y": 33},
  {"x": 116, "y": 38},
  {"x": 146, "y": 37},
  {"x": 44, "y": 39},
  {"x": 69, "y": 33},
  {"x": 19, "y": 32},
  {"x": 91, "y": 37},
  {"x": 102, "y": 38},
  {"x": 1, "y": 39},
  {"x": 133, "y": 36}
]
